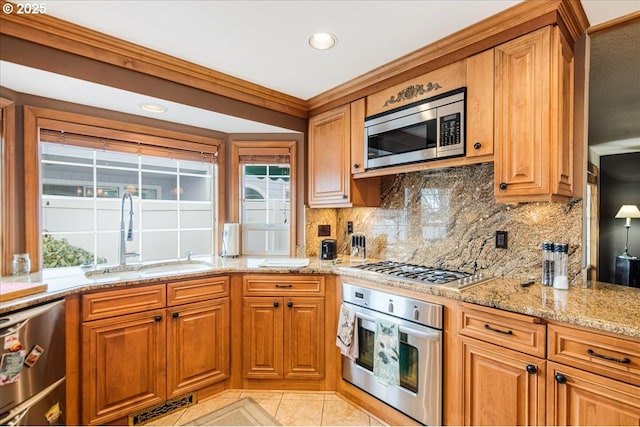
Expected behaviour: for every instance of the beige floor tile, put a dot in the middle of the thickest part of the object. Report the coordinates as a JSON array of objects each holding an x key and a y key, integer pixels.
[
  {"x": 271, "y": 406},
  {"x": 373, "y": 421},
  {"x": 230, "y": 394},
  {"x": 332, "y": 396},
  {"x": 300, "y": 412},
  {"x": 303, "y": 396},
  {"x": 342, "y": 413},
  {"x": 203, "y": 408},
  {"x": 262, "y": 395}
]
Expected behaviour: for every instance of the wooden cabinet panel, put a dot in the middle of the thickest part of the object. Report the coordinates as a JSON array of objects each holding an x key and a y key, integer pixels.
[
  {"x": 358, "y": 156},
  {"x": 515, "y": 331},
  {"x": 329, "y": 158},
  {"x": 501, "y": 386},
  {"x": 198, "y": 346},
  {"x": 123, "y": 365},
  {"x": 534, "y": 118},
  {"x": 576, "y": 397},
  {"x": 304, "y": 338},
  {"x": 262, "y": 337},
  {"x": 188, "y": 291},
  {"x": 614, "y": 357},
  {"x": 103, "y": 304},
  {"x": 480, "y": 77},
  {"x": 282, "y": 284}
]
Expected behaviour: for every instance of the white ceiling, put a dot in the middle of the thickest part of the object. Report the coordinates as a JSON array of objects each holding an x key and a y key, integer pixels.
[{"x": 264, "y": 42}]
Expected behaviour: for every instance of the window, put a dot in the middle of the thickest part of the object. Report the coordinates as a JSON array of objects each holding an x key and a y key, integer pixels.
[
  {"x": 266, "y": 209},
  {"x": 265, "y": 173},
  {"x": 82, "y": 206}
]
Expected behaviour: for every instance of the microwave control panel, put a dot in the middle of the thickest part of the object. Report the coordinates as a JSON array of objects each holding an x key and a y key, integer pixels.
[{"x": 450, "y": 129}]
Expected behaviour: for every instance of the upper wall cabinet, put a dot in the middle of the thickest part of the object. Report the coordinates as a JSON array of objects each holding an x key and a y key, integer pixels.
[
  {"x": 480, "y": 77},
  {"x": 534, "y": 118},
  {"x": 330, "y": 159}
]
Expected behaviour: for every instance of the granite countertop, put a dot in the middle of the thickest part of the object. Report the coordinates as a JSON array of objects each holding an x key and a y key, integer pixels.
[{"x": 597, "y": 305}]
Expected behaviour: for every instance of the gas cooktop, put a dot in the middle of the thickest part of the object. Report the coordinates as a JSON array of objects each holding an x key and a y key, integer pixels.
[{"x": 422, "y": 274}]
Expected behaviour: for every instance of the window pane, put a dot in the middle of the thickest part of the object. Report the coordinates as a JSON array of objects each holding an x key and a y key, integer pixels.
[
  {"x": 88, "y": 214},
  {"x": 65, "y": 250},
  {"x": 255, "y": 170}
]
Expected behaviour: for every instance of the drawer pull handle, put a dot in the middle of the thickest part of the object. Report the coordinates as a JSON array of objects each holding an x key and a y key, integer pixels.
[
  {"x": 625, "y": 361},
  {"x": 288, "y": 285},
  {"x": 489, "y": 328}
]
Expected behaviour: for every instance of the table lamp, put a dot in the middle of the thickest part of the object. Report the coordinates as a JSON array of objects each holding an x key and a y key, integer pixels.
[{"x": 628, "y": 212}]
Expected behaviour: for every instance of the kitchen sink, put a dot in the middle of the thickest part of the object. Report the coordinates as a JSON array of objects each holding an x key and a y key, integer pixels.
[{"x": 133, "y": 271}]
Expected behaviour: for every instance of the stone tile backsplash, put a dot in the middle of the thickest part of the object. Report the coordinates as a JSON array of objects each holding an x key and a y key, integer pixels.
[{"x": 448, "y": 218}]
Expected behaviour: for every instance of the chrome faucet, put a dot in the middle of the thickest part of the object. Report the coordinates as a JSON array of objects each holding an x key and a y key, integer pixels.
[{"x": 123, "y": 253}]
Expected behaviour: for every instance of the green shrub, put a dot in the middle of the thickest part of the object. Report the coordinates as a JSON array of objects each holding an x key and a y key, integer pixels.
[{"x": 61, "y": 253}]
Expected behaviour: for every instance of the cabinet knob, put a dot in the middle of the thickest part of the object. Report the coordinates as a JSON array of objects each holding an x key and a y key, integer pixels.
[
  {"x": 290, "y": 304},
  {"x": 477, "y": 146},
  {"x": 560, "y": 378},
  {"x": 503, "y": 185},
  {"x": 276, "y": 304},
  {"x": 532, "y": 369},
  {"x": 175, "y": 315},
  {"x": 344, "y": 196},
  {"x": 356, "y": 165},
  {"x": 158, "y": 318}
]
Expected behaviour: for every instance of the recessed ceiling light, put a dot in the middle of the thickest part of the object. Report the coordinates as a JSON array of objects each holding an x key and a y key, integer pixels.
[
  {"x": 322, "y": 41},
  {"x": 153, "y": 108}
]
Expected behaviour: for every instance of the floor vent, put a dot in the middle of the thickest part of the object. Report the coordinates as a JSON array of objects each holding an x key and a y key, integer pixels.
[{"x": 161, "y": 410}]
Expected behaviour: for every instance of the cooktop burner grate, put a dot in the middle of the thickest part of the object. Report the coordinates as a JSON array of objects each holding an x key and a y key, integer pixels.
[{"x": 420, "y": 273}]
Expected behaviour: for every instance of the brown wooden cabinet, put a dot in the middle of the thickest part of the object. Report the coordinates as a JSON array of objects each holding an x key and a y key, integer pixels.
[
  {"x": 594, "y": 378},
  {"x": 123, "y": 365},
  {"x": 140, "y": 349},
  {"x": 330, "y": 159},
  {"x": 503, "y": 367},
  {"x": 578, "y": 398},
  {"x": 534, "y": 118},
  {"x": 480, "y": 77},
  {"x": 283, "y": 329},
  {"x": 502, "y": 386}
]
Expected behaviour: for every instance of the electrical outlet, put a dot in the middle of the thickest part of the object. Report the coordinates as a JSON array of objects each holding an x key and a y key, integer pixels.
[
  {"x": 349, "y": 227},
  {"x": 501, "y": 240},
  {"x": 324, "y": 230}
]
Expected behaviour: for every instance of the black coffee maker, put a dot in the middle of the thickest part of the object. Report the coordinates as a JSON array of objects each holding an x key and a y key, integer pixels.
[{"x": 328, "y": 249}]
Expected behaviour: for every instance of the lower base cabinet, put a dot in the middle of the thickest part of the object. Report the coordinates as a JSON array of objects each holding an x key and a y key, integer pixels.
[
  {"x": 577, "y": 397},
  {"x": 501, "y": 386}
]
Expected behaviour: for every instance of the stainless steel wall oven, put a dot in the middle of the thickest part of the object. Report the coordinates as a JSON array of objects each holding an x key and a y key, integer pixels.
[{"x": 419, "y": 393}]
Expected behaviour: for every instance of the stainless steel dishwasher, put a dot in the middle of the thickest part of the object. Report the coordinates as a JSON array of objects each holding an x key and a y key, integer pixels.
[{"x": 32, "y": 366}]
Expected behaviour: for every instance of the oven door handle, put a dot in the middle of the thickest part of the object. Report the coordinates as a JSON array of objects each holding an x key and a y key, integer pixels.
[{"x": 429, "y": 334}]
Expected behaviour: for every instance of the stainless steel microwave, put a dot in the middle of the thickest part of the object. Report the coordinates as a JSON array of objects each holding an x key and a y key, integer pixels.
[{"x": 427, "y": 130}]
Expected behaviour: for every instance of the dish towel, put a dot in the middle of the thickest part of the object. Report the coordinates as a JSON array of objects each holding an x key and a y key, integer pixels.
[
  {"x": 347, "y": 338},
  {"x": 386, "y": 353}
]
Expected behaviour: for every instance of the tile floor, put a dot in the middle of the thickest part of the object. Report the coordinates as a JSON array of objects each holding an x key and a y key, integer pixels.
[{"x": 289, "y": 408}]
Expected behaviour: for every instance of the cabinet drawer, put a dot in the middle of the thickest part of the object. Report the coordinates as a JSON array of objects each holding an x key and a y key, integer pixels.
[
  {"x": 283, "y": 284},
  {"x": 611, "y": 356},
  {"x": 515, "y": 331},
  {"x": 103, "y": 304},
  {"x": 188, "y": 291}
]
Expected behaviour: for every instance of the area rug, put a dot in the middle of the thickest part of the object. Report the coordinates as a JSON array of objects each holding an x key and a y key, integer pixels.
[{"x": 244, "y": 412}]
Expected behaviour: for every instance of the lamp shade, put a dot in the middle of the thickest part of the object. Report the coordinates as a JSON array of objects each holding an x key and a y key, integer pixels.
[{"x": 628, "y": 211}]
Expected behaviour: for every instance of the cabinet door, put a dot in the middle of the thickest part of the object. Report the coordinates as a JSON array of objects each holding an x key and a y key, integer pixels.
[
  {"x": 576, "y": 397},
  {"x": 198, "y": 345},
  {"x": 329, "y": 158},
  {"x": 123, "y": 361},
  {"x": 521, "y": 107},
  {"x": 262, "y": 337},
  {"x": 480, "y": 76},
  {"x": 304, "y": 338},
  {"x": 501, "y": 386}
]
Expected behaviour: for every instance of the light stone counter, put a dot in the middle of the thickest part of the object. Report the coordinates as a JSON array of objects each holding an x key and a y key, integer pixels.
[{"x": 597, "y": 305}]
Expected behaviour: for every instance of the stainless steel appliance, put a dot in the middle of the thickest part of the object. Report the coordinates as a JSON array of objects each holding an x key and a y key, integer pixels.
[
  {"x": 32, "y": 366},
  {"x": 419, "y": 394},
  {"x": 455, "y": 280},
  {"x": 426, "y": 130}
]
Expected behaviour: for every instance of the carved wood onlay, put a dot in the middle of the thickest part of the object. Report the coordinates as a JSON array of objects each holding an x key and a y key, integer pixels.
[{"x": 411, "y": 92}]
